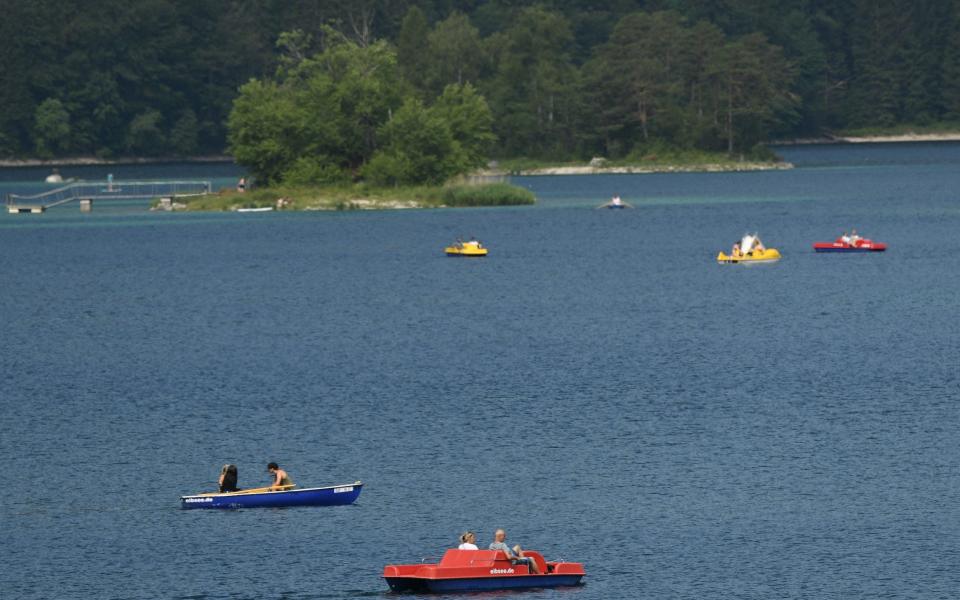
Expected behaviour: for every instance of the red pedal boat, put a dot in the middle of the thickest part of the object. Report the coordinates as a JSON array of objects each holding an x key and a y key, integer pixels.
[
  {"x": 473, "y": 570},
  {"x": 861, "y": 245}
]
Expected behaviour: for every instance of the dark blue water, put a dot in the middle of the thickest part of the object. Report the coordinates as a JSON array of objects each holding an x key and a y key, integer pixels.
[{"x": 598, "y": 386}]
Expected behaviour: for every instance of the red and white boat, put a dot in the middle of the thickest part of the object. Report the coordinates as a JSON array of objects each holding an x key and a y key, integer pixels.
[
  {"x": 860, "y": 245},
  {"x": 476, "y": 570}
]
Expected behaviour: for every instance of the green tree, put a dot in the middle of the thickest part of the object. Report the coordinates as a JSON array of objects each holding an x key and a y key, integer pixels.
[
  {"x": 266, "y": 130},
  {"x": 456, "y": 53},
  {"x": 877, "y": 51},
  {"x": 144, "y": 135},
  {"x": 641, "y": 69},
  {"x": 950, "y": 91},
  {"x": 753, "y": 83},
  {"x": 418, "y": 148},
  {"x": 705, "y": 42},
  {"x": 366, "y": 85},
  {"x": 184, "y": 138},
  {"x": 533, "y": 92},
  {"x": 470, "y": 121},
  {"x": 51, "y": 127},
  {"x": 413, "y": 48}
]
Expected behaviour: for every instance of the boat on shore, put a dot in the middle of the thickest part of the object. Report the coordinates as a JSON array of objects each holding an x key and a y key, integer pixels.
[
  {"x": 266, "y": 497},
  {"x": 860, "y": 245},
  {"x": 480, "y": 570}
]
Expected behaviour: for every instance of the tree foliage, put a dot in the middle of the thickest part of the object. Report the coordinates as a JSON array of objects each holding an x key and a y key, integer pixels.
[
  {"x": 562, "y": 78},
  {"x": 346, "y": 112}
]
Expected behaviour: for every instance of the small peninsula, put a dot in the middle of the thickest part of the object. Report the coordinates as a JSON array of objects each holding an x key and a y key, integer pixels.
[{"x": 359, "y": 197}]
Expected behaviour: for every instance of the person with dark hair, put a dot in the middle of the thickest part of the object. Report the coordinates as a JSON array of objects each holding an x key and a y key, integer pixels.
[
  {"x": 228, "y": 479},
  {"x": 280, "y": 477}
]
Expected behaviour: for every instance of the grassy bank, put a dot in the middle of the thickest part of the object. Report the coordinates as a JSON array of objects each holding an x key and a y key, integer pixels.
[
  {"x": 657, "y": 160},
  {"x": 362, "y": 197}
]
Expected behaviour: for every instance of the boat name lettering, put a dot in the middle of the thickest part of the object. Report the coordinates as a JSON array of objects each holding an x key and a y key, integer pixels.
[
  {"x": 198, "y": 500},
  {"x": 340, "y": 490},
  {"x": 501, "y": 571}
]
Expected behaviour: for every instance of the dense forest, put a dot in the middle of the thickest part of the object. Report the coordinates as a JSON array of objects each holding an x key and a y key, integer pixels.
[{"x": 561, "y": 78}]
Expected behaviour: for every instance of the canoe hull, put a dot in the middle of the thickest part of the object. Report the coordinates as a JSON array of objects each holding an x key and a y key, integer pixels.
[
  {"x": 478, "y": 584},
  {"x": 326, "y": 496}
]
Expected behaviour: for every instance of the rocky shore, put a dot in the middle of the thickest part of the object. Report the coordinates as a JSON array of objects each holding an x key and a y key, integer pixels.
[
  {"x": 588, "y": 169},
  {"x": 873, "y": 139}
]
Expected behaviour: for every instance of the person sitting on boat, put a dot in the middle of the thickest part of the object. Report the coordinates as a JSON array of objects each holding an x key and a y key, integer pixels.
[
  {"x": 616, "y": 201},
  {"x": 735, "y": 251},
  {"x": 758, "y": 245},
  {"x": 854, "y": 238},
  {"x": 280, "y": 477},
  {"x": 468, "y": 541},
  {"x": 228, "y": 479},
  {"x": 845, "y": 238},
  {"x": 515, "y": 554}
]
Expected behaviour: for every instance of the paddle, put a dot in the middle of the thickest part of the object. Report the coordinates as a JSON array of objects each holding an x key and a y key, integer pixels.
[{"x": 259, "y": 490}]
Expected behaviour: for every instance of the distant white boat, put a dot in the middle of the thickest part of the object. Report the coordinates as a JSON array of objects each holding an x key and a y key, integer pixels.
[{"x": 261, "y": 209}]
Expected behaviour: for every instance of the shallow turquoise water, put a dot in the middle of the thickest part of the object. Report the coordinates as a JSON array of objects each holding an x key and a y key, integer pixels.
[{"x": 599, "y": 386}]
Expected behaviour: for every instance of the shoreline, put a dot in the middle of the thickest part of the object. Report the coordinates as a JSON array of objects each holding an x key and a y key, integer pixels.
[
  {"x": 93, "y": 161},
  {"x": 354, "y": 197},
  {"x": 899, "y": 138},
  {"x": 732, "y": 167}
]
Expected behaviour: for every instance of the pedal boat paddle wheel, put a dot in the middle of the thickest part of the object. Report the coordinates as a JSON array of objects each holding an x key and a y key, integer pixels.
[{"x": 480, "y": 570}]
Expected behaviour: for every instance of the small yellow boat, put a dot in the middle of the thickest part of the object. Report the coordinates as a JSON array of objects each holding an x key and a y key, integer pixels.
[
  {"x": 471, "y": 248},
  {"x": 756, "y": 256}
]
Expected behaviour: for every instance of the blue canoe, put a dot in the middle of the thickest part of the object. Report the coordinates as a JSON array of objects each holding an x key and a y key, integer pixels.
[{"x": 322, "y": 496}]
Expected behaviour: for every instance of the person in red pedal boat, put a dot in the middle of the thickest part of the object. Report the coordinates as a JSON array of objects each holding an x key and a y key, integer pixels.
[{"x": 515, "y": 554}]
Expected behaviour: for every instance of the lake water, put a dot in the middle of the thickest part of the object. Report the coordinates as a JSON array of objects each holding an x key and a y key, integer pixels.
[{"x": 598, "y": 386}]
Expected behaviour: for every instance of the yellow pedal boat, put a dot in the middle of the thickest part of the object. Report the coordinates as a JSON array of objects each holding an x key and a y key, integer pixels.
[
  {"x": 470, "y": 248},
  {"x": 767, "y": 255}
]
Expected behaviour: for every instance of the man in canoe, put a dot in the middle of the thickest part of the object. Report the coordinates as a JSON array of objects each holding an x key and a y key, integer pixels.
[
  {"x": 280, "y": 477},
  {"x": 515, "y": 554}
]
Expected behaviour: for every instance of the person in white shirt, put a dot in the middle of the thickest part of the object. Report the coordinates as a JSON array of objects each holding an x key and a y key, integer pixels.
[
  {"x": 468, "y": 541},
  {"x": 845, "y": 238}
]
